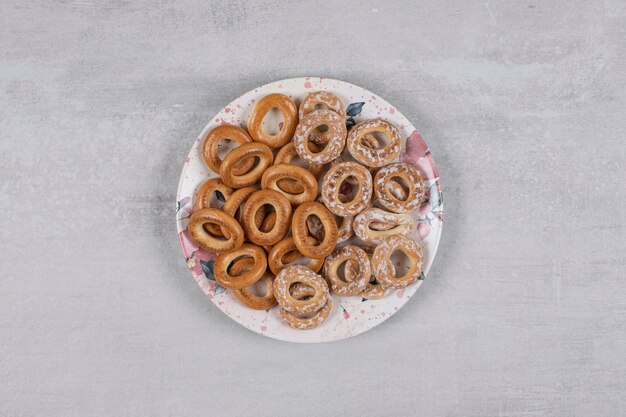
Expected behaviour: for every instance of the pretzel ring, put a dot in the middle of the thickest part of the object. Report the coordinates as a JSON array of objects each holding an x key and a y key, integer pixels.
[
  {"x": 388, "y": 199},
  {"x": 300, "y": 176},
  {"x": 266, "y": 225},
  {"x": 370, "y": 156},
  {"x": 384, "y": 269},
  {"x": 232, "y": 207},
  {"x": 203, "y": 199},
  {"x": 303, "y": 275},
  {"x": 251, "y": 177},
  {"x": 223, "y": 275},
  {"x": 229, "y": 225},
  {"x": 300, "y": 230},
  {"x": 374, "y": 225},
  {"x": 331, "y": 185},
  {"x": 234, "y": 202},
  {"x": 290, "y": 115},
  {"x": 344, "y": 228},
  {"x": 336, "y": 136},
  {"x": 305, "y": 323},
  {"x": 374, "y": 290},
  {"x": 356, "y": 281},
  {"x": 278, "y": 259},
  {"x": 247, "y": 297},
  {"x": 321, "y": 98},
  {"x": 281, "y": 224},
  {"x": 210, "y": 149},
  {"x": 285, "y": 156},
  {"x": 300, "y": 291}
]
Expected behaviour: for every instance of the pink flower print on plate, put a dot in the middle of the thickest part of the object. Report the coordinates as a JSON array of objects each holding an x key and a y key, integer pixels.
[
  {"x": 423, "y": 230},
  {"x": 416, "y": 152}
]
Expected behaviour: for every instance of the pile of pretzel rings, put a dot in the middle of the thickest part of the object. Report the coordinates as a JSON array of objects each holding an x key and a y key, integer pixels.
[{"x": 274, "y": 226}]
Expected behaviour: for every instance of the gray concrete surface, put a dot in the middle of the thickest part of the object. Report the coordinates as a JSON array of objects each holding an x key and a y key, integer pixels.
[{"x": 523, "y": 104}]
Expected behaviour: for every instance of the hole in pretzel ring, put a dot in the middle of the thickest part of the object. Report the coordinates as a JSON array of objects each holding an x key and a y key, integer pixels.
[
  {"x": 259, "y": 288},
  {"x": 273, "y": 121},
  {"x": 401, "y": 193},
  {"x": 400, "y": 261},
  {"x": 380, "y": 138}
]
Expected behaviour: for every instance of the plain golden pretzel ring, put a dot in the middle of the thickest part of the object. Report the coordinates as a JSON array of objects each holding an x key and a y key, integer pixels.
[
  {"x": 300, "y": 274},
  {"x": 384, "y": 269},
  {"x": 388, "y": 199},
  {"x": 284, "y": 252},
  {"x": 247, "y": 297},
  {"x": 300, "y": 230},
  {"x": 232, "y": 207},
  {"x": 286, "y": 155},
  {"x": 321, "y": 98},
  {"x": 203, "y": 199},
  {"x": 226, "y": 279},
  {"x": 344, "y": 228},
  {"x": 282, "y": 208},
  {"x": 331, "y": 186},
  {"x": 290, "y": 115},
  {"x": 367, "y": 155},
  {"x": 210, "y": 149},
  {"x": 228, "y": 224},
  {"x": 236, "y": 200},
  {"x": 305, "y": 323},
  {"x": 336, "y": 134},
  {"x": 374, "y": 225},
  {"x": 360, "y": 271},
  {"x": 251, "y": 177},
  {"x": 297, "y": 175}
]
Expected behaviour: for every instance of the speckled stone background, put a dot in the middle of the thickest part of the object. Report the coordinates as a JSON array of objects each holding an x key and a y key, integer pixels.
[{"x": 523, "y": 104}]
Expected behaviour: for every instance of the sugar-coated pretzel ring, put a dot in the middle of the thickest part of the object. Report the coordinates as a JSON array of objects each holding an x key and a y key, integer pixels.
[
  {"x": 397, "y": 190},
  {"x": 336, "y": 136},
  {"x": 281, "y": 206},
  {"x": 285, "y": 156},
  {"x": 228, "y": 224},
  {"x": 277, "y": 259},
  {"x": 388, "y": 199},
  {"x": 374, "y": 157},
  {"x": 300, "y": 274},
  {"x": 300, "y": 291},
  {"x": 300, "y": 230},
  {"x": 290, "y": 116},
  {"x": 384, "y": 269},
  {"x": 331, "y": 185},
  {"x": 374, "y": 225},
  {"x": 223, "y": 275},
  {"x": 203, "y": 199},
  {"x": 299, "y": 175},
  {"x": 251, "y": 177},
  {"x": 353, "y": 284},
  {"x": 305, "y": 323},
  {"x": 210, "y": 148},
  {"x": 325, "y": 98},
  {"x": 247, "y": 297},
  {"x": 374, "y": 290}
]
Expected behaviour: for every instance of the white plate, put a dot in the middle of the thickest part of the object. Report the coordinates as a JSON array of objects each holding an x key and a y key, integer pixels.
[{"x": 351, "y": 315}]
